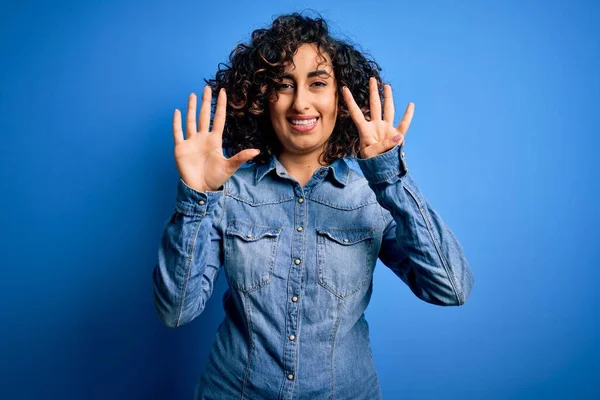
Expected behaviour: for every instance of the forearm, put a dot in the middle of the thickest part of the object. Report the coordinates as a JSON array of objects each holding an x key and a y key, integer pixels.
[{"x": 188, "y": 257}]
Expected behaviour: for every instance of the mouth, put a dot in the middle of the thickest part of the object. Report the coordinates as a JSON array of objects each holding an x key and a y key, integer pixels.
[{"x": 303, "y": 124}]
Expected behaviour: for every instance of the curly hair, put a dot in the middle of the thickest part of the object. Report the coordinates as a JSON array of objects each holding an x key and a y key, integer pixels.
[{"x": 255, "y": 71}]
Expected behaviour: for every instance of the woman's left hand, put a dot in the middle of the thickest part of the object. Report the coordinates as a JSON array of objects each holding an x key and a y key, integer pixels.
[{"x": 378, "y": 135}]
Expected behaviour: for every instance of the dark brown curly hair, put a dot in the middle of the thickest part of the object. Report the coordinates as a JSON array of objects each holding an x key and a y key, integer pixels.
[{"x": 254, "y": 72}]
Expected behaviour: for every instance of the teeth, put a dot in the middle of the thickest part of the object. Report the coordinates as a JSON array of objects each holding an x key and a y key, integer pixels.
[{"x": 304, "y": 121}]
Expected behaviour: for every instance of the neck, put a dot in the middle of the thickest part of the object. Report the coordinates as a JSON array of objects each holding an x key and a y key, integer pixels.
[{"x": 300, "y": 166}]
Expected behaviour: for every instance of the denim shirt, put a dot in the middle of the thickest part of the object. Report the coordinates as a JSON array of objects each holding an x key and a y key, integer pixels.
[{"x": 299, "y": 265}]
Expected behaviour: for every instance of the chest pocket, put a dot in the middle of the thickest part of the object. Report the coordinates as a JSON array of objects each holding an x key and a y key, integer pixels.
[
  {"x": 345, "y": 259},
  {"x": 250, "y": 252}
]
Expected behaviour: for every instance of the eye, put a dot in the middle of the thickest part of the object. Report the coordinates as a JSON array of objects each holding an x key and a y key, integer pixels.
[
  {"x": 284, "y": 86},
  {"x": 319, "y": 83}
]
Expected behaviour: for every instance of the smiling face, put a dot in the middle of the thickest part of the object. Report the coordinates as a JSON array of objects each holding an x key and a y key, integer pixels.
[{"x": 304, "y": 115}]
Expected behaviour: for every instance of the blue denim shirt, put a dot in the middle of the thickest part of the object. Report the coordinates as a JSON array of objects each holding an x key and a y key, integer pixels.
[{"x": 299, "y": 265}]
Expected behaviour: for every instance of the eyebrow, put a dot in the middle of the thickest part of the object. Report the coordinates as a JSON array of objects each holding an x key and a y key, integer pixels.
[{"x": 311, "y": 74}]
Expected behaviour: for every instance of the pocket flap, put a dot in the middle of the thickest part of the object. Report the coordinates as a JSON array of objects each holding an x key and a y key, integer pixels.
[
  {"x": 347, "y": 236},
  {"x": 251, "y": 233}
]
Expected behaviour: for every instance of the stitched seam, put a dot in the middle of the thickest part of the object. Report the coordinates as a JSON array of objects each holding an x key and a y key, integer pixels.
[
  {"x": 339, "y": 207},
  {"x": 250, "y": 347},
  {"x": 367, "y": 233},
  {"x": 274, "y": 247},
  {"x": 321, "y": 243},
  {"x": 437, "y": 245},
  {"x": 249, "y": 202},
  {"x": 299, "y": 305},
  {"x": 185, "y": 210},
  {"x": 333, "y": 337},
  {"x": 188, "y": 272},
  {"x": 377, "y": 179},
  {"x": 225, "y": 186},
  {"x": 298, "y": 319},
  {"x": 285, "y": 327},
  {"x": 231, "y": 226},
  {"x": 383, "y": 227}
]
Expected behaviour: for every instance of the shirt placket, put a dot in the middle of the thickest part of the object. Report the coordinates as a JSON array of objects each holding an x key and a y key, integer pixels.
[
  {"x": 295, "y": 282},
  {"x": 294, "y": 291}
]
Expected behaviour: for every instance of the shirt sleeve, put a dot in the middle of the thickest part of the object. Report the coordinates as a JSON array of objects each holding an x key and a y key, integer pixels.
[
  {"x": 416, "y": 245},
  {"x": 189, "y": 256}
]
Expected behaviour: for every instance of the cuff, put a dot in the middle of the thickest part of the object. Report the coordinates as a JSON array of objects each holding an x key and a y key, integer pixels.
[
  {"x": 192, "y": 202},
  {"x": 384, "y": 166}
]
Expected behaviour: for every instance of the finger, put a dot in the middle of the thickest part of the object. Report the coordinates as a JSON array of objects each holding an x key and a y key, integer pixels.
[
  {"x": 353, "y": 108},
  {"x": 205, "y": 110},
  {"x": 374, "y": 100},
  {"x": 388, "y": 104},
  {"x": 219, "y": 121},
  {"x": 190, "y": 124},
  {"x": 240, "y": 158},
  {"x": 177, "y": 130},
  {"x": 406, "y": 119}
]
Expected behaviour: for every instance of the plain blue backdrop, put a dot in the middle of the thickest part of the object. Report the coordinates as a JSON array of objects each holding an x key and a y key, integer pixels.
[{"x": 504, "y": 143}]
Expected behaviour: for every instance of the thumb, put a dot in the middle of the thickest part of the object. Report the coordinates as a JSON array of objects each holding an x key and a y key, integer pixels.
[{"x": 243, "y": 156}]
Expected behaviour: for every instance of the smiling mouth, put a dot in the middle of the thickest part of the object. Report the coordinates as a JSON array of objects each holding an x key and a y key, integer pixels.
[{"x": 303, "y": 125}]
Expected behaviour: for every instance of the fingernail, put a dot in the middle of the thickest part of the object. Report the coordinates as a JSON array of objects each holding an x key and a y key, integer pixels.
[{"x": 396, "y": 138}]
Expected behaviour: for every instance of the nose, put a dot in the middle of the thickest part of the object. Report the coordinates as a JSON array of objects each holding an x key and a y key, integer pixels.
[{"x": 301, "y": 99}]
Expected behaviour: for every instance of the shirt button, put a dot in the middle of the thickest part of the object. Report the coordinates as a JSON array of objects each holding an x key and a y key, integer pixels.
[
  {"x": 402, "y": 155},
  {"x": 249, "y": 236},
  {"x": 300, "y": 200},
  {"x": 294, "y": 299},
  {"x": 345, "y": 240},
  {"x": 299, "y": 229},
  {"x": 297, "y": 261},
  {"x": 290, "y": 376},
  {"x": 292, "y": 337},
  {"x": 201, "y": 202}
]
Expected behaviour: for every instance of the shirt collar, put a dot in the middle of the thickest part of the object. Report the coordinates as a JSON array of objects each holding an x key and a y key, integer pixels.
[{"x": 338, "y": 170}]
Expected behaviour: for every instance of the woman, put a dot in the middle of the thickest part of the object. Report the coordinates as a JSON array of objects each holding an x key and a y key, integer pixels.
[{"x": 297, "y": 232}]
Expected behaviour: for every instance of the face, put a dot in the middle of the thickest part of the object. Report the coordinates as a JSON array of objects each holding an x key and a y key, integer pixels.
[{"x": 304, "y": 115}]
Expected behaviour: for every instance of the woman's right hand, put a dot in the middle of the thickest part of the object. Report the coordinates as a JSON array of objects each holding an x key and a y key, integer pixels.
[{"x": 199, "y": 157}]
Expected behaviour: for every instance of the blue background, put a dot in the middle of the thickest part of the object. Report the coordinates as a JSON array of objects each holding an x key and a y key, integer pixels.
[{"x": 504, "y": 143}]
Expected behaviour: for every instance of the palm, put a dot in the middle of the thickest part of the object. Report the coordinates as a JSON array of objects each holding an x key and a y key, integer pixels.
[
  {"x": 378, "y": 134},
  {"x": 199, "y": 157}
]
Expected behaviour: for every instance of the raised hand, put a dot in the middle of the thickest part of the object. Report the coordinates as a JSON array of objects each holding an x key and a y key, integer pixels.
[
  {"x": 378, "y": 135},
  {"x": 199, "y": 157}
]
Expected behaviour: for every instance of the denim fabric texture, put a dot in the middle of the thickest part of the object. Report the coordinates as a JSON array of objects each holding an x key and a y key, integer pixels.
[{"x": 299, "y": 264}]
